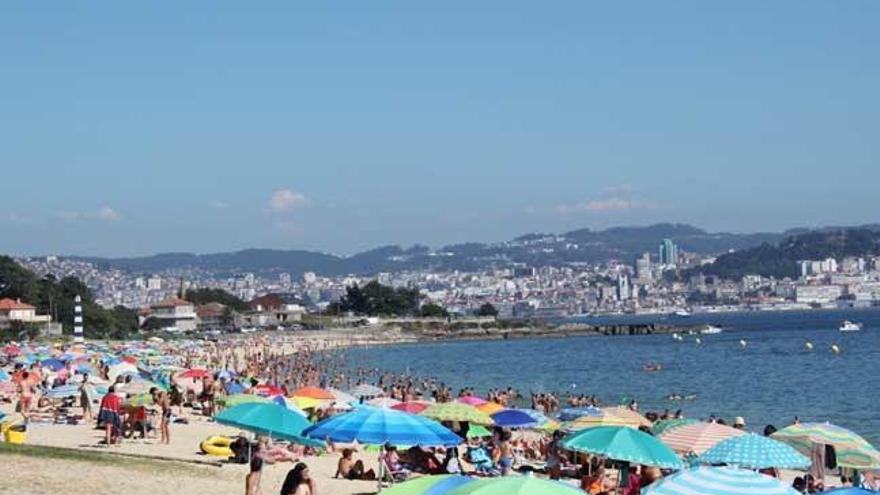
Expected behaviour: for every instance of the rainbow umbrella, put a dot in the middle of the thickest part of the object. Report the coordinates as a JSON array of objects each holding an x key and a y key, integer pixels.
[
  {"x": 490, "y": 408},
  {"x": 456, "y": 411},
  {"x": 755, "y": 452},
  {"x": 718, "y": 481},
  {"x": 515, "y": 485},
  {"x": 429, "y": 485},
  {"x": 698, "y": 437},
  {"x": 852, "y": 450}
]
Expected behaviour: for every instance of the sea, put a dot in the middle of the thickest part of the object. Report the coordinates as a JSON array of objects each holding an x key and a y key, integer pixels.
[{"x": 759, "y": 367}]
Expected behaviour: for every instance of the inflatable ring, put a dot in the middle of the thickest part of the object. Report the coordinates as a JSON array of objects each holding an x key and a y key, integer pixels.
[{"x": 217, "y": 446}]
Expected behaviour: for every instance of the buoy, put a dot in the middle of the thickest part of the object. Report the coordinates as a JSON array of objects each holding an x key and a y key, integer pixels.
[
  {"x": 699, "y": 341},
  {"x": 742, "y": 343},
  {"x": 835, "y": 349},
  {"x": 809, "y": 345}
]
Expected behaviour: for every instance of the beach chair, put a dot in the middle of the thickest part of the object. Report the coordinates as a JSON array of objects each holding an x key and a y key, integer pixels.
[{"x": 388, "y": 475}]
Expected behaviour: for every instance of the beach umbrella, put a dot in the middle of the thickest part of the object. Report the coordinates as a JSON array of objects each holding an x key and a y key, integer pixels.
[
  {"x": 63, "y": 392},
  {"x": 471, "y": 400},
  {"x": 266, "y": 419},
  {"x": 571, "y": 414},
  {"x": 478, "y": 431},
  {"x": 456, "y": 411},
  {"x": 412, "y": 407},
  {"x": 849, "y": 491},
  {"x": 515, "y": 485},
  {"x": 234, "y": 388},
  {"x": 141, "y": 387},
  {"x": 755, "y": 452},
  {"x": 139, "y": 400},
  {"x": 239, "y": 399},
  {"x": 383, "y": 402},
  {"x": 706, "y": 480},
  {"x": 4, "y": 376},
  {"x": 851, "y": 450},
  {"x": 376, "y": 426},
  {"x": 621, "y": 443},
  {"x": 285, "y": 402},
  {"x": 121, "y": 369},
  {"x": 309, "y": 403},
  {"x": 52, "y": 364},
  {"x": 667, "y": 424},
  {"x": 538, "y": 416},
  {"x": 195, "y": 374},
  {"x": 268, "y": 390},
  {"x": 698, "y": 437},
  {"x": 490, "y": 408},
  {"x": 314, "y": 393},
  {"x": 611, "y": 416},
  {"x": 342, "y": 397},
  {"x": 429, "y": 485},
  {"x": 11, "y": 350},
  {"x": 366, "y": 391},
  {"x": 514, "y": 418}
]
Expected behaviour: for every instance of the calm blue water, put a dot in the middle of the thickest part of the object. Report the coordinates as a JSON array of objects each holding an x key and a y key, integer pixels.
[{"x": 770, "y": 381}]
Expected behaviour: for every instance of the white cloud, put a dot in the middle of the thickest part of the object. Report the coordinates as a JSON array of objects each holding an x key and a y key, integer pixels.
[
  {"x": 604, "y": 205},
  {"x": 108, "y": 214},
  {"x": 284, "y": 200},
  {"x": 219, "y": 205}
]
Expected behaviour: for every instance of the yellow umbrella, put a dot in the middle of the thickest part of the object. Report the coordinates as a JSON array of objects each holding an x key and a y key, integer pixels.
[
  {"x": 612, "y": 416},
  {"x": 490, "y": 408},
  {"x": 308, "y": 402}
]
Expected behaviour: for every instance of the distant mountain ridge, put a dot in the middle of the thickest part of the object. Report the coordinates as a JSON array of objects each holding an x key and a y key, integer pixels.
[{"x": 577, "y": 246}]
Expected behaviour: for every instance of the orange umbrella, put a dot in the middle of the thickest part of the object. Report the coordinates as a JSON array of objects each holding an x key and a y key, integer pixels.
[
  {"x": 314, "y": 393},
  {"x": 490, "y": 408}
]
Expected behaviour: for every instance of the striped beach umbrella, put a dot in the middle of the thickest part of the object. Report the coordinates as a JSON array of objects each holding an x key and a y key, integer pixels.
[
  {"x": 456, "y": 411},
  {"x": 755, "y": 452},
  {"x": 515, "y": 485},
  {"x": 667, "y": 424},
  {"x": 698, "y": 437},
  {"x": 851, "y": 450},
  {"x": 611, "y": 416},
  {"x": 429, "y": 485},
  {"x": 718, "y": 481},
  {"x": 620, "y": 443}
]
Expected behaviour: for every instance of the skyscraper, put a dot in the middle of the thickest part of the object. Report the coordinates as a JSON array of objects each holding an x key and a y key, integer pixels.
[
  {"x": 668, "y": 253},
  {"x": 643, "y": 269}
]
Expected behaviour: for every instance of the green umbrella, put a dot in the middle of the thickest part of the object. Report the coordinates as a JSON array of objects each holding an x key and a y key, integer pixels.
[
  {"x": 267, "y": 419},
  {"x": 429, "y": 485},
  {"x": 623, "y": 444},
  {"x": 668, "y": 424},
  {"x": 852, "y": 450},
  {"x": 515, "y": 485},
  {"x": 456, "y": 411},
  {"x": 478, "y": 431},
  {"x": 239, "y": 399}
]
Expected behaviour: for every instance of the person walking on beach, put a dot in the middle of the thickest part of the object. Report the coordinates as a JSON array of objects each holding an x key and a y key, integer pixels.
[
  {"x": 109, "y": 416},
  {"x": 85, "y": 400},
  {"x": 299, "y": 482},
  {"x": 164, "y": 402}
]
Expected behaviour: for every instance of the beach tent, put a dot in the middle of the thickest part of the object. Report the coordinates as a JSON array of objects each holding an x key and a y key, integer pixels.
[
  {"x": 718, "y": 481},
  {"x": 624, "y": 444},
  {"x": 753, "y": 451}
]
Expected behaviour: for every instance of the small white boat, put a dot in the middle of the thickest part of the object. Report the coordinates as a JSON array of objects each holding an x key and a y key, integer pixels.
[
  {"x": 682, "y": 313},
  {"x": 711, "y": 330},
  {"x": 849, "y": 326}
]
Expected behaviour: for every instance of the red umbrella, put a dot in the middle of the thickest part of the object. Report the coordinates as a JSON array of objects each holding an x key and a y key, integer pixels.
[
  {"x": 314, "y": 393},
  {"x": 11, "y": 350},
  {"x": 195, "y": 374},
  {"x": 130, "y": 359},
  {"x": 268, "y": 390},
  {"x": 411, "y": 407}
]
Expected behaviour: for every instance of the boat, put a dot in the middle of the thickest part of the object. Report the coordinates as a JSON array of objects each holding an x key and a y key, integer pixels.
[
  {"x": 652, "y": 367},
  {"x": 711, "y": 330},
  {"x": 682, "y": 313},
  {"x": 849, "y": 326}
]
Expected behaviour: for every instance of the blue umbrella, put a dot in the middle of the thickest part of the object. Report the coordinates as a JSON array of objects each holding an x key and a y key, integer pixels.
[
  {"x": 267, "y": 419},
  {"x": 63, "y": 392},
  {"x": 52, "y": 364},
  {"x": 718, "y": 481},
  {"x": 379, "y": 426},
  {"x": 4, "y": 376},
  {"x": 234, "y": 388},
  {"x": 755, "y": 452},
  {"x": 513, "y": 418},
  {"x": 574, "y": 413}
]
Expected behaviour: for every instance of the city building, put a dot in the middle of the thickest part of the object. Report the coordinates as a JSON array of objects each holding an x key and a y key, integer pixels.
[
  {"x": 15, "y": 310},
  {"x": 174, "y": 314},
  {"x": 668, "y": 253},
  {"x": 818, "y": 294},
  {"x": 643, "y": 269}
]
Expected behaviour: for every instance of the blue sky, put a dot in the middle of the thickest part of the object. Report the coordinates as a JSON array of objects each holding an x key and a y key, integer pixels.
[{"x": 140, "y": 127}]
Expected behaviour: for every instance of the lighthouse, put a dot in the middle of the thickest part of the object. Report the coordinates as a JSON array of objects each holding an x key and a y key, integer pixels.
[{"x": 78, "y": 320}]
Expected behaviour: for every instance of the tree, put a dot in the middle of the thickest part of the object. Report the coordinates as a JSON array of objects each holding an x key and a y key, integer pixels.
[
  {"x": 375, "y": 299},
  {"x": 432, "y": 310},
  {"x": 487, "y": 309},
  {"x": 206, "y": 295}
]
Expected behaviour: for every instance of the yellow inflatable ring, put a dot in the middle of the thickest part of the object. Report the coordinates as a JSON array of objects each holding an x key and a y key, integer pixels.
[{"x": 217, "y": 446}]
